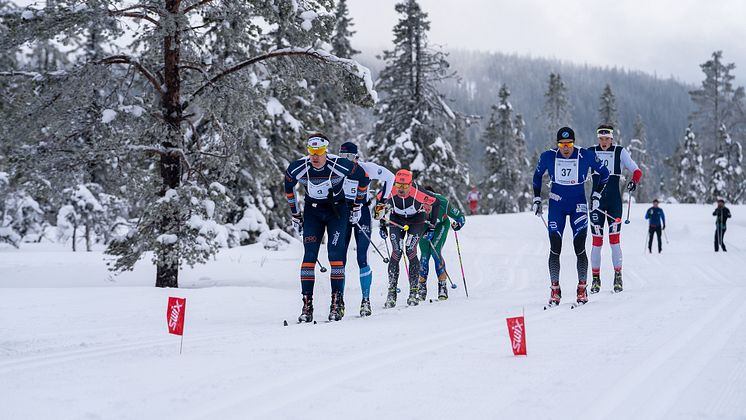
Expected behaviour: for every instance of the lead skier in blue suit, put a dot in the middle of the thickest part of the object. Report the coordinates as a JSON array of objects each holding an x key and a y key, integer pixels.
[{"x": 568, "y": 168}]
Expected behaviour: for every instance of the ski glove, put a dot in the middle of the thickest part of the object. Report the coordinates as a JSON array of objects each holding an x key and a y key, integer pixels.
[
  {"x": 536, "y": 207},
  {"x": 595, "y": 201},
  {"x": 356, "y": 213},
  {"x": 298, "y": 224},
  {"x": 379, "y": 210},
  {"x": 429, "y": 233},
  {"x": 631, "y": 186},
  {"x": 458, "y": 223},
  {"x": 383, "y": 231}
]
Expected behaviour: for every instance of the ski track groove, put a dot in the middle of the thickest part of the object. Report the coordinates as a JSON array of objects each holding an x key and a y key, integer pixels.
[
  {"x": 630, "y": 383},
  {"x": 402, "y": 351}
]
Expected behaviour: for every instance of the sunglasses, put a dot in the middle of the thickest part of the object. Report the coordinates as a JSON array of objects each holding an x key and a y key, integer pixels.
[
  {"x": 318, "y": 151},
  {"x": 349, "y": 156},
  {"x": 566, "y": 145},
  {"x": 400, "y": 184},
  {"x": 604, "y": 132}
]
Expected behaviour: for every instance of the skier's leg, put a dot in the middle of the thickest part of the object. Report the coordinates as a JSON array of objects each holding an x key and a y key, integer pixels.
[
  {"x": 579, "y": 222},
  {"x": 616, "y": 245},
  {"x": 651, "y": 231},
  {"x": 414, "y": 234},
  {"x": 425, "y": 252},
  {"x": 313, "y": 230},
  {"x": 361, "y": 239},
  {"x": 658, "y": 232},
  {"x": 556, "y": 225},
  {"x": 336, "y": 229},
  {"x": 598, "y": 220},
  {"x": 722, "y": 242},
  {"x": 439, "y": 239},
  {"x": 396, "y": 234}
]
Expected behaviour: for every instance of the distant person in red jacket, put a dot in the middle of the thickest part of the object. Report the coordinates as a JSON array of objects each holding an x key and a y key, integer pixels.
[{"x": 473, "y": 198}]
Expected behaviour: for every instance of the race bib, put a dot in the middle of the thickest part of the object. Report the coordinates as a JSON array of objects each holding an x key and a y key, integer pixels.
[
  {"x": 320, "y": 191},
  {"x": 566, "y": 171},
  {"x": 607, "y": 159}
]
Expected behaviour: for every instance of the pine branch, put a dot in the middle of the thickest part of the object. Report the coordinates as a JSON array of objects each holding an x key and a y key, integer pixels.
[
  {"x": 125, "y": 59},
  {"x": 196, "y": 5}
]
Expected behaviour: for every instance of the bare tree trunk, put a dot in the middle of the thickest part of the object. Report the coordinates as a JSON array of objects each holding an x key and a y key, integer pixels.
[
  {"x": 88, "y": 237},
  {"x": 75, "y": 235},
  {"x": 167, "y": 274}
]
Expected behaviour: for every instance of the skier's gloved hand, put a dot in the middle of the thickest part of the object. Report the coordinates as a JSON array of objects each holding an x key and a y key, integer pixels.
[
  {"x": 458, "y": 223},
  {"x": 355, "y": 213},
  {"x": 536, "y": 206},
  {"x": 298, "y": 223},
  {"x": 631, "y": 186},
  {"x": 595, "y": 200},
  {"x": 379, "y": 210},
  {"x": 383, "y": 231}
]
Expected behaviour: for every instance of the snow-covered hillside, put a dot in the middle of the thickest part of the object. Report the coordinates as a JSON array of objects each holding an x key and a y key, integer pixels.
[{"x": 76, "y": 343}]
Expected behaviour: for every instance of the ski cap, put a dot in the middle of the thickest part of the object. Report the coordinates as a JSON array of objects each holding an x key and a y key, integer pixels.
[
  {"x": 348, "y": 147},
  {"x": 317, "y": 141},
  {"x": 565, "y": 134},
  {"x": 403, "y": 176}
]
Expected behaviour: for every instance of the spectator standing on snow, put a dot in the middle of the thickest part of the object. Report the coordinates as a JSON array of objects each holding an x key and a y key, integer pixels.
[
  {"x": 473, "y": 199},
  {"x": 656, "y": 223},
  {"x": 722, "y": 214}
]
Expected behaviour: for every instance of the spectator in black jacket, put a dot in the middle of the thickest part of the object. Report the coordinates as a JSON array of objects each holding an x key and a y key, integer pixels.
[{"x": 722, "y": 214}]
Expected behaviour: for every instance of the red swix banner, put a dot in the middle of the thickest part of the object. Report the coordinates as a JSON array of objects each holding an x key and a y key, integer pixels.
[
  {"x": 175, "y": 315},
  {"x": 517, "y": 333}
]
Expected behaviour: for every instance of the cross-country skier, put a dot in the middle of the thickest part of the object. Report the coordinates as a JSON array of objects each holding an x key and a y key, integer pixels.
[
  {"x": 446, "y": 211},
  {"x": 414, "y": 214},
  {"x": 615, "y": 158},
  {"x": 656, "y": 224},
  {"x": 568, "y": 170},
  {"x": 323, "y": 177},
  {"x": 473, "y": 199},
  {"x": 722, "y": 214},
  {"x": 349, "y": 151}
]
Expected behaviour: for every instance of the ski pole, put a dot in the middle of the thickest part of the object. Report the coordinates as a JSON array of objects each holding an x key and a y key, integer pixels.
[
  {"x": 385, "y": 260},
  {"x": 544, "y": 220},
  {"x": 321, "y": 267},
  {"x": 461, "y": 262},
  {"x": 629, "y": 205},
  {"x": 665, "y": 235},
  {"x": 443, "y": 264},
  {"x": 616, "y": 220}
]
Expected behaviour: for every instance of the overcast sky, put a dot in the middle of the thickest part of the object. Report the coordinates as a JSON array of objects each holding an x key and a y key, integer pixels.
[{"x": 668, "y": 37}]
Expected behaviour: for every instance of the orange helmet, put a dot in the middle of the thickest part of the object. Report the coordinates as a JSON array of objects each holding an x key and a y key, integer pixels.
[{"x": 403, "y": 176}]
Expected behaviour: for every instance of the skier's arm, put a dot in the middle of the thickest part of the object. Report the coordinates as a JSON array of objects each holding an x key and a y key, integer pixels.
[
  {"x": 647, "y": 214},
  {"x": 541, "y": 167},
  {"x": 631, "y": 166},
  {"x": 453, "y": 212},
  {"x": 290, "y": 182},
  {"x": 663, "y": 219},
  {"x": 359, "y": 175},
  {"x": 598, "y": 166},
  {"x": 727, "y": 213},
  {"x": 386, "y": 177}
]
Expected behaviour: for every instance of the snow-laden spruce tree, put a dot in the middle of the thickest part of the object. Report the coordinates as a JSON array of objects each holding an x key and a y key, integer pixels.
[
  {"x": 688, "y": 184},
  {"x": 169, "y": 109},
  {"x": 718, "y": 103},
  {"x": 523, "y": 189},
  {"x": 607, "y": 111},
  {"x": 557, "y": 110},
  {"x": 727, "y": 169},
  {"x": 415, "y": 126},
  {"x": 638, "y": 150},
  {"x": 505, "y": 160}
]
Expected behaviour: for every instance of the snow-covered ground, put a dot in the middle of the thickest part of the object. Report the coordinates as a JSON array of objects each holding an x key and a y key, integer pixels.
[{"x": 77, "y": 343}]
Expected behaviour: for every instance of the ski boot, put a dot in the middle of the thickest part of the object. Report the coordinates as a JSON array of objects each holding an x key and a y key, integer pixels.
[
  {"x": 391, "y": 298},
  {"x": 422, "y": 289},
  {"x": 306, "y": 314},
  {"x": 337, "y": 308},
  {"x": 442, "y": 290},
  {"x": 365, "y": 307},
  {"x": 596, "y": 284},
  {"x": 618, "y": 282},
  {"x": 412, "y": 299},
  {"x": 582, "y": 294},
  {"x": 554, "y": 299}
]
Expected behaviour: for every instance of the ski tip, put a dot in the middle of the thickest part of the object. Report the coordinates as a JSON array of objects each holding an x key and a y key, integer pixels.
[
  {"x": 431, "y": 301},
  {"x": 314, "y": 322},
  {"x": 285, "y": 323}
]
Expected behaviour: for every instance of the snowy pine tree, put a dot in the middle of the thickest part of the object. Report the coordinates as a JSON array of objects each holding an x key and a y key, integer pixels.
[
  {"x": 727, "y": 172},
  {"x": 607, "y": 111},
  {"x": 557, "y": 109},
  {"x": 416, "y": 127},
  {"x": 687, "y": 164},
  {"x": 638, "y": 150},
  {"x": 341, "y": 46},
  {"x": 504, "y": 189},
  {"x": 718, "y": 103},
  {"x": 171, "y": 113}
]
